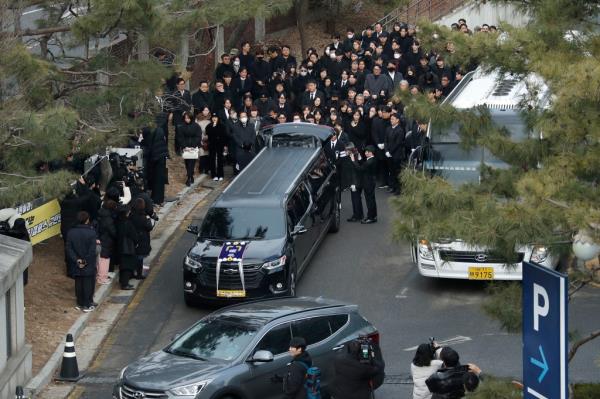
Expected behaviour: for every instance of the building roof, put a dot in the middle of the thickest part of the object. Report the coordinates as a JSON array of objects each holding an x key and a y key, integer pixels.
[{"x": 15, "y": 257}]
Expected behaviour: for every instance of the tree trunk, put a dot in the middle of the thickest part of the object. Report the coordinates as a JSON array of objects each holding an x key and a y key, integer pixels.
[
  {"x": 234, "y": 37},
  {"x": 301, "y": 9}
]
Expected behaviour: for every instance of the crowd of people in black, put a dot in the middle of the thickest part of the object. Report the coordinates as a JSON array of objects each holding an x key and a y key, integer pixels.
[{"x": 349, "y": 84}]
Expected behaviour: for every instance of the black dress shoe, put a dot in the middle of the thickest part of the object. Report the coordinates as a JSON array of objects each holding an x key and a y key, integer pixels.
[
  {"x": 353, "y": 219},
  {"x": 128, "y": 287},
  {"x": 139, "y": 277},
  {"x": 368, "y": 221},
  {"x": 187, "y": 182}
]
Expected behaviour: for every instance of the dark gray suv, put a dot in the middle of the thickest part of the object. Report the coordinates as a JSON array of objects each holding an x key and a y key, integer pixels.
[{"x": 240, "y": 352}]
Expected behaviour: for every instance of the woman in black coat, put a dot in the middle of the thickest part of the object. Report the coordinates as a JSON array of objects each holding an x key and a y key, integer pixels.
[
  {"x": 357, "y": 130},
  {"x": 107, "y": 233},
  {"x": 190, "y": 136},
  {"x": 143, "y": 225},
  {"x": 127, "y": 241},
  {"x": 217, "y": 145}
]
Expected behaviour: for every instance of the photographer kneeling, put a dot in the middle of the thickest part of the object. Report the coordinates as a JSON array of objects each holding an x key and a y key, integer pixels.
[
  {"x": 453, "y": 379},
  {"x": 355, "y": 371}
]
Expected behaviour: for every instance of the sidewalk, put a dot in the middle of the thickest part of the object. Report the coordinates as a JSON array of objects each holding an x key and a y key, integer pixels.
[{"x": 92, "y": 328}]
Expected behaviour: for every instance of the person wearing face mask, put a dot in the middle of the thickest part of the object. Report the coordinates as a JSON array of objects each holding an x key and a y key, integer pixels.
[
  {"x": 244, "y": 137},
  {"x": 395, "y": 76},
  {"x": 299, "y": 82},
  {"x": 260, "y": 69}
]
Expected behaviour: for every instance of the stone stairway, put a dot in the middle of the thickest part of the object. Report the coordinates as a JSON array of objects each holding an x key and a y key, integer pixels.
[{"x": 418, "y": 9}]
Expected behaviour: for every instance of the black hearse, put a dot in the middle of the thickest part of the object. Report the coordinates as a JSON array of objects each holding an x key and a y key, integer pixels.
[{"x": 259, "y": 235}]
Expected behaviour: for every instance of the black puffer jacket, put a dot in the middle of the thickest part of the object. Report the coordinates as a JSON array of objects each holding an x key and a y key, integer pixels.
[
  {"x": 293, "y": 384},
  {"x": 107, "y": 232}
]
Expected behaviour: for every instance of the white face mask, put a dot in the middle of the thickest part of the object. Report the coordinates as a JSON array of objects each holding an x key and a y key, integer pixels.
[
  {"x": 303, "y": 73},
  {"x": 396, "y": 55},
  {"x": 236, "y": 63},
  {"x": 350, "y": 36},
  {"x": 244, "y": 119},
  {"x": 332, "y": 56}
]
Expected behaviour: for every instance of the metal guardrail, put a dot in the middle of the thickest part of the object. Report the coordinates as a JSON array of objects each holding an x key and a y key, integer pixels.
[{"x": 417, "y": 9}]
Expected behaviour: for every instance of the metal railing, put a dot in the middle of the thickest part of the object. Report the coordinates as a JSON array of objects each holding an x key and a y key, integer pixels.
[{"x": 417, "y": 9}]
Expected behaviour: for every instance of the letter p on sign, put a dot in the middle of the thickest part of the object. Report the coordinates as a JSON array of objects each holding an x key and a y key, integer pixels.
[{"x": 541, "y": 306}]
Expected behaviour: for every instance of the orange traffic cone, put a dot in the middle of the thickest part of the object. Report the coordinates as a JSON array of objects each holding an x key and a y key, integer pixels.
[{"x": 69, "y": 371}]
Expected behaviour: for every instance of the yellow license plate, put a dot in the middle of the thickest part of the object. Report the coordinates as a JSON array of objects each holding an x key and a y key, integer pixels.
[
  {"x": 481, "y": 273},
  {"x": 231, "y": 293}
]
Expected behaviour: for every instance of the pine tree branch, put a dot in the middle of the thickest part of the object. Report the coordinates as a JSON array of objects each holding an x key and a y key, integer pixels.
[
  {"x": 97, "y": 71},
  {"x": 578, "y": 344},
  {"x": 84, "y": 123},
  {"x": 21, "y": 176},
  {"x": 36, "y": 32}
]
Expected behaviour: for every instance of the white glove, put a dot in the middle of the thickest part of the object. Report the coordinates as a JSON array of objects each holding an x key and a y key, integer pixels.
[
  {"x": 387, "y": 154},
  {"x": 381, "y": 146},
  {"x": 353, "y": 187}
]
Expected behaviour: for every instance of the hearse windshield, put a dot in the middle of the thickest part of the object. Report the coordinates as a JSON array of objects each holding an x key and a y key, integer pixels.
[{"x": 242, "y": 224}]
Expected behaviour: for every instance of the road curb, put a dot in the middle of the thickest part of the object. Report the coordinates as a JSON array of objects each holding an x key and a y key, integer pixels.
[{"x": 41, "y": 380}]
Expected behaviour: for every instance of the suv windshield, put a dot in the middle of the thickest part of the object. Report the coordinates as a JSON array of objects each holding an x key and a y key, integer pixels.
[
  {"x": 242, "y": 224},
  {"x": 220, "y": 339}
]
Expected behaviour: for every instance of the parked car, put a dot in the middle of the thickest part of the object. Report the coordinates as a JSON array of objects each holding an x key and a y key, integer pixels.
[
  {"x": 258, "y": 236},
  {"x": 241, "y": 351},
  {"x": 445, "y": 156}
]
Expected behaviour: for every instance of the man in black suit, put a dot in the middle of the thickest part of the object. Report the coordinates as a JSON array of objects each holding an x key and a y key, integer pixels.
[
  {"x": 335, "y": 147},
  {"x": 395, "y": 151},
  {"x": 367, "y": 172},
  {"x": 308, "y": 97},
  {"x": 181, "y": 101}
]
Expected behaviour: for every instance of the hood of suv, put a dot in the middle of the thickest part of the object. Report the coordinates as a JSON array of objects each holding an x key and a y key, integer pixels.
[
  {"x": 257, "y": 251},
  {"x": 162, "y": 371}
]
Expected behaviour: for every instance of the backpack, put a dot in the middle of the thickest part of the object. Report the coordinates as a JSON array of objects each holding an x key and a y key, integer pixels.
[{"x": 312, "y": 381}]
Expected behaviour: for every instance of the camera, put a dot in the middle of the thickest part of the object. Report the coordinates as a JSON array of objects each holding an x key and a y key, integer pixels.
[{"x": 366, "y": 352}]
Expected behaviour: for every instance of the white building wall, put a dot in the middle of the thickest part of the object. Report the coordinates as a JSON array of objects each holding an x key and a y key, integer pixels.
[{"x": 491, "y": 14}]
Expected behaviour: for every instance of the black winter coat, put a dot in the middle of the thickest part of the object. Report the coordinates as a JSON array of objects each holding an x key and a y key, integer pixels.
[
  {"x": 352, "y": 378},
  {"x": 127, "y": 243},
  {"x": 217, "y": 136},
  {"x": 143, "y": 226},
  {"x": 394, "y": 142},
  {"x": 189, "y": 135},
  {"x": 293, "y": 384},
  {"x": 107, "y": 232},
  {"x": 81, "y": 244}
]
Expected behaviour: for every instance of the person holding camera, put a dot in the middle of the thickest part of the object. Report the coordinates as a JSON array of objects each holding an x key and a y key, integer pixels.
[
  {"x": 81, "y": 257},
  {"x": 355, "y": 370},
  {"x": 424, "y": 364},
  {"x": 452, "y": 380}
]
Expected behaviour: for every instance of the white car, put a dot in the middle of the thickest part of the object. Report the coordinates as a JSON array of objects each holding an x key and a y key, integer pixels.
[{"x": 456, "y": 259}]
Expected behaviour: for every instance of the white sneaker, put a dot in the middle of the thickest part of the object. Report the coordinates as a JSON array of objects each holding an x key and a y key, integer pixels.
[
  {"x": 215, "y": 178},
  {"x": 89, "y": 309},
  {"x": 220, "y": 179}
]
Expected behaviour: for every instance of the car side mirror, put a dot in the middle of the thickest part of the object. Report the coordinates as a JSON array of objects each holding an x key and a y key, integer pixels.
[
  {"x": 261, "y": 357},
  {"x": 194, "y": 229},
  {"x": 299, "y": 230}
]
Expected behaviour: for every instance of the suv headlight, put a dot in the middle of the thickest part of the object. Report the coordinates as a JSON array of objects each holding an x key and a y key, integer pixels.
[
  {"x": 539, "y": 254},
  {"x": 190, "y": 390},
  {"x": 275, "y": 265},
  {"x": 192, "y": 263},
  {"x": 425, "y": 250}
]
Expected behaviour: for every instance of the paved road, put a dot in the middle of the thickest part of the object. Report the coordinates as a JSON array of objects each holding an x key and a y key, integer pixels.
[{"x": 362, "y": 265}]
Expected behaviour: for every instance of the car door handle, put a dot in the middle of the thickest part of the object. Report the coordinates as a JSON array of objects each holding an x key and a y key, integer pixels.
[
  {"x": 337, "y": 348},
  {"x": 276, "y": 379}
]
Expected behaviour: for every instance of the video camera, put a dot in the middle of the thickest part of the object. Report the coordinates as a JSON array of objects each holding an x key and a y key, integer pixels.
[{"x": 366, "y": 354}]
